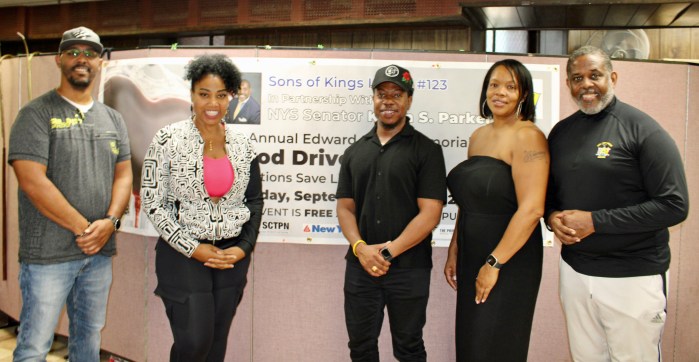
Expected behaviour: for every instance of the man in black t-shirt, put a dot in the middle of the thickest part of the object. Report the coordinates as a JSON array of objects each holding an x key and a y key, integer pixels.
[
  {"x": 390, "y": 194},
  {"x": 616, "y": 184}
]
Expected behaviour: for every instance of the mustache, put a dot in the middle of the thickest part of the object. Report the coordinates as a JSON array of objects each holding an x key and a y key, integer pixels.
[{"x": 589, "y": 91}]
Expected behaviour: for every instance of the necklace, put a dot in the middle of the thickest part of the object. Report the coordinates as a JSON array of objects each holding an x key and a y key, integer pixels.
[{"x": 211, "y": 140}]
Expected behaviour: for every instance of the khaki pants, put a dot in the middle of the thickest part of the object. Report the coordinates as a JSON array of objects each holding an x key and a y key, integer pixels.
[{"x": 613, "y": 319}]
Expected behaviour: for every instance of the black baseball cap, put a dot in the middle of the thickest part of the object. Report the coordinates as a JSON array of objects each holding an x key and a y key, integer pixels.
[
  {"x": 396, "y": 75},
  {"x": 80, "y": 35}
]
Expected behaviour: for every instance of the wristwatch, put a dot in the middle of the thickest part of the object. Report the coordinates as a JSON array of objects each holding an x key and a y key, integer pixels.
[
  {"x": 386, "y": 253},
  {"x": 493, "y": 261},
  {"x": 115, "y": 220}
]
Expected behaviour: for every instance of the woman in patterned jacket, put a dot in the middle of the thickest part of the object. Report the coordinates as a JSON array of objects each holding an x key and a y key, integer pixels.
[{"x": 202, "y": 191}]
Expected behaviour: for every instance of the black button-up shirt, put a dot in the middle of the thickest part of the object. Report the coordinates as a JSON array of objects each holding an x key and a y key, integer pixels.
[{"x": 385, "y": 182}]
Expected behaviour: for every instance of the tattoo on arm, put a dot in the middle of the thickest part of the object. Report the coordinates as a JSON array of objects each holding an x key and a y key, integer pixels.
[{"x": 530, "y": 156}]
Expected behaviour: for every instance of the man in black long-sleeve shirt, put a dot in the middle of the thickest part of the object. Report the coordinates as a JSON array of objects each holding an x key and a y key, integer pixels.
[{"x": 616, "y": 184}]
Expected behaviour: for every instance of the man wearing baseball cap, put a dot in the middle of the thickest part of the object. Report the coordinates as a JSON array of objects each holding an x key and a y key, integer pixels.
[
  {"x": 72, "y": 160},
  {"x": 390, "y": 194}
]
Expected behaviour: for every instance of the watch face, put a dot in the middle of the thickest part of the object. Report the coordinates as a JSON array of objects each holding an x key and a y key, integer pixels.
[
  {"x": 490, "y": 260},
  {"x": 386, "y": 254},
  {"x": 115, "y": 221}
]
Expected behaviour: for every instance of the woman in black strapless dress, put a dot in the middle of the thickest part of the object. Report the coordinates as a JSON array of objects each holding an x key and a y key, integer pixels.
[{"x": 496, "y": 252}]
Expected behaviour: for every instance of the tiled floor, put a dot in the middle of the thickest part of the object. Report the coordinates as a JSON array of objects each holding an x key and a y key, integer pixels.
[{"x": 59, "y": 349}]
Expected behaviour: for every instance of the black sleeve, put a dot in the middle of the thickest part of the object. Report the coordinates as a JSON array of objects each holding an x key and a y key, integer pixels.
[
  {"x": 432, "y": 176},
  {"x": 550, "y": 205},
  {"x": 344, "y": 183},
  {"x": 664, "y": 181},
  {"x": 254, "y": 202}
]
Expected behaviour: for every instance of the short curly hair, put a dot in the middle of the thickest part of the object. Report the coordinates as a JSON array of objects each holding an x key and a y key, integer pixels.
[{"x": 216, "y": 64}]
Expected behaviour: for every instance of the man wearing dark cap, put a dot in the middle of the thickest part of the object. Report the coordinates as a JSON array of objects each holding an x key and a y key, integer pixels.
[
  {"x": 390, "y": 195},
  {"x": 71, "y": 157}
]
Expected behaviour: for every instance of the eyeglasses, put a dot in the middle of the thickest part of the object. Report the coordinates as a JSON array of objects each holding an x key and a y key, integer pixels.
[{"x": 75, "y": 53}]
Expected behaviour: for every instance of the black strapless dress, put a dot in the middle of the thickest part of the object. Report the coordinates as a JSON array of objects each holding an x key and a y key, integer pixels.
[{"x": 499, "y": 329}]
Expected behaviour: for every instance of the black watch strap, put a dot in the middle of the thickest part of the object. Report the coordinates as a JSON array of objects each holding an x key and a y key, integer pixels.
[{"x": 493, "y": 261}]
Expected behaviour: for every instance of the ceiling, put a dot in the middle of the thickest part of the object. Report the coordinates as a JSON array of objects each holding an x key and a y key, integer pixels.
[
  {"x": 544, "y": 14},
  {"x": 8, "y": 3},
  {"x": 549, "y": 14}
]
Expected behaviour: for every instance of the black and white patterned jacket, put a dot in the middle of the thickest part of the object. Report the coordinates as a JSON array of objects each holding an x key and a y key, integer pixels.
[{"x": 174, "y": 197}]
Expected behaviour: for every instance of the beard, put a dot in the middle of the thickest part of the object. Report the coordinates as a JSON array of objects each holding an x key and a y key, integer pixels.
[
  {"x": 388, "y": 126},
  {"x": 392, "y": 126},
  {"x": 604, "y": 101},
  {"x": 80, "y": 83}
]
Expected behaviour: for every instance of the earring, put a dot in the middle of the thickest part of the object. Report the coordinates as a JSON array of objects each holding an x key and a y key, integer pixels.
[
  {"x": 483, "y": 108},
  {"x": 519, "y": 108}
]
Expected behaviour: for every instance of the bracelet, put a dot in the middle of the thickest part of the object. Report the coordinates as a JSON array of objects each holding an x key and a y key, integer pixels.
[
  {"x": 354, "y": 246},
  {"x": 85, "y": 231}
]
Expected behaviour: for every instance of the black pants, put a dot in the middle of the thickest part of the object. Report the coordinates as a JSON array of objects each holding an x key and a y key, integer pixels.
[
  {"x": 200, "y": 303},
  {"x": 404, "y": 294}
]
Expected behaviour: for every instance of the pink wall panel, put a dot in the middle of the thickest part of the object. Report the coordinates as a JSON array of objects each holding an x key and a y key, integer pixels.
[
  {"x": 298, "y": 303},
  {"x": 127, "y": 333},
  {"x": 685, "y": 252}
]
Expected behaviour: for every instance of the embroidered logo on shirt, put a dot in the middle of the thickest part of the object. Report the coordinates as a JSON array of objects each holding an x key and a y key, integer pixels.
[
  {"x": 603, "y": 149},
  {"x": 113, "y": 146},
  {"x": 57, "y": 123}
]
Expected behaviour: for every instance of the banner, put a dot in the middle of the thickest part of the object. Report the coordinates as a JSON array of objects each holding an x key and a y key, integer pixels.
[{"x": 311, "y": 111}]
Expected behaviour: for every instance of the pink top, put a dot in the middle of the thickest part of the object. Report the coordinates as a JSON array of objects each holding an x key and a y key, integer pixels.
[{"x": 218, "y": 176}]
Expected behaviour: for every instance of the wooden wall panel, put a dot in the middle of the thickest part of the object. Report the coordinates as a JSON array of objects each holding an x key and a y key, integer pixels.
[
  {"x": 44, "y": 21},
  {"x": 382, "y": 40},
  {"x": 12, "y": 20},
  {"x": 340, "y": 39},
  {"x": 573, "y": 39},
  {"x": 363, "y": 40},
  {"x": 429, "y": 39},
  {"x": 218, "y": 11},
  {"x": 670, "y": 43},
  {"x": 675, "y": 43},
  {"x": 687, "y": 285},
  {"x": 325, "y": 39},
  {"x": 417, "y": 39},
  {"x": 578, "y": 38},
  {"x": 244, "y": 39},
  {"x": 654, "y": 42},
  {"x": 401, "y": 39},
  {"x": 133, "y": 17},
  {"x": 113, "y": 15},
  {"x": 458, "y": 39}
]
